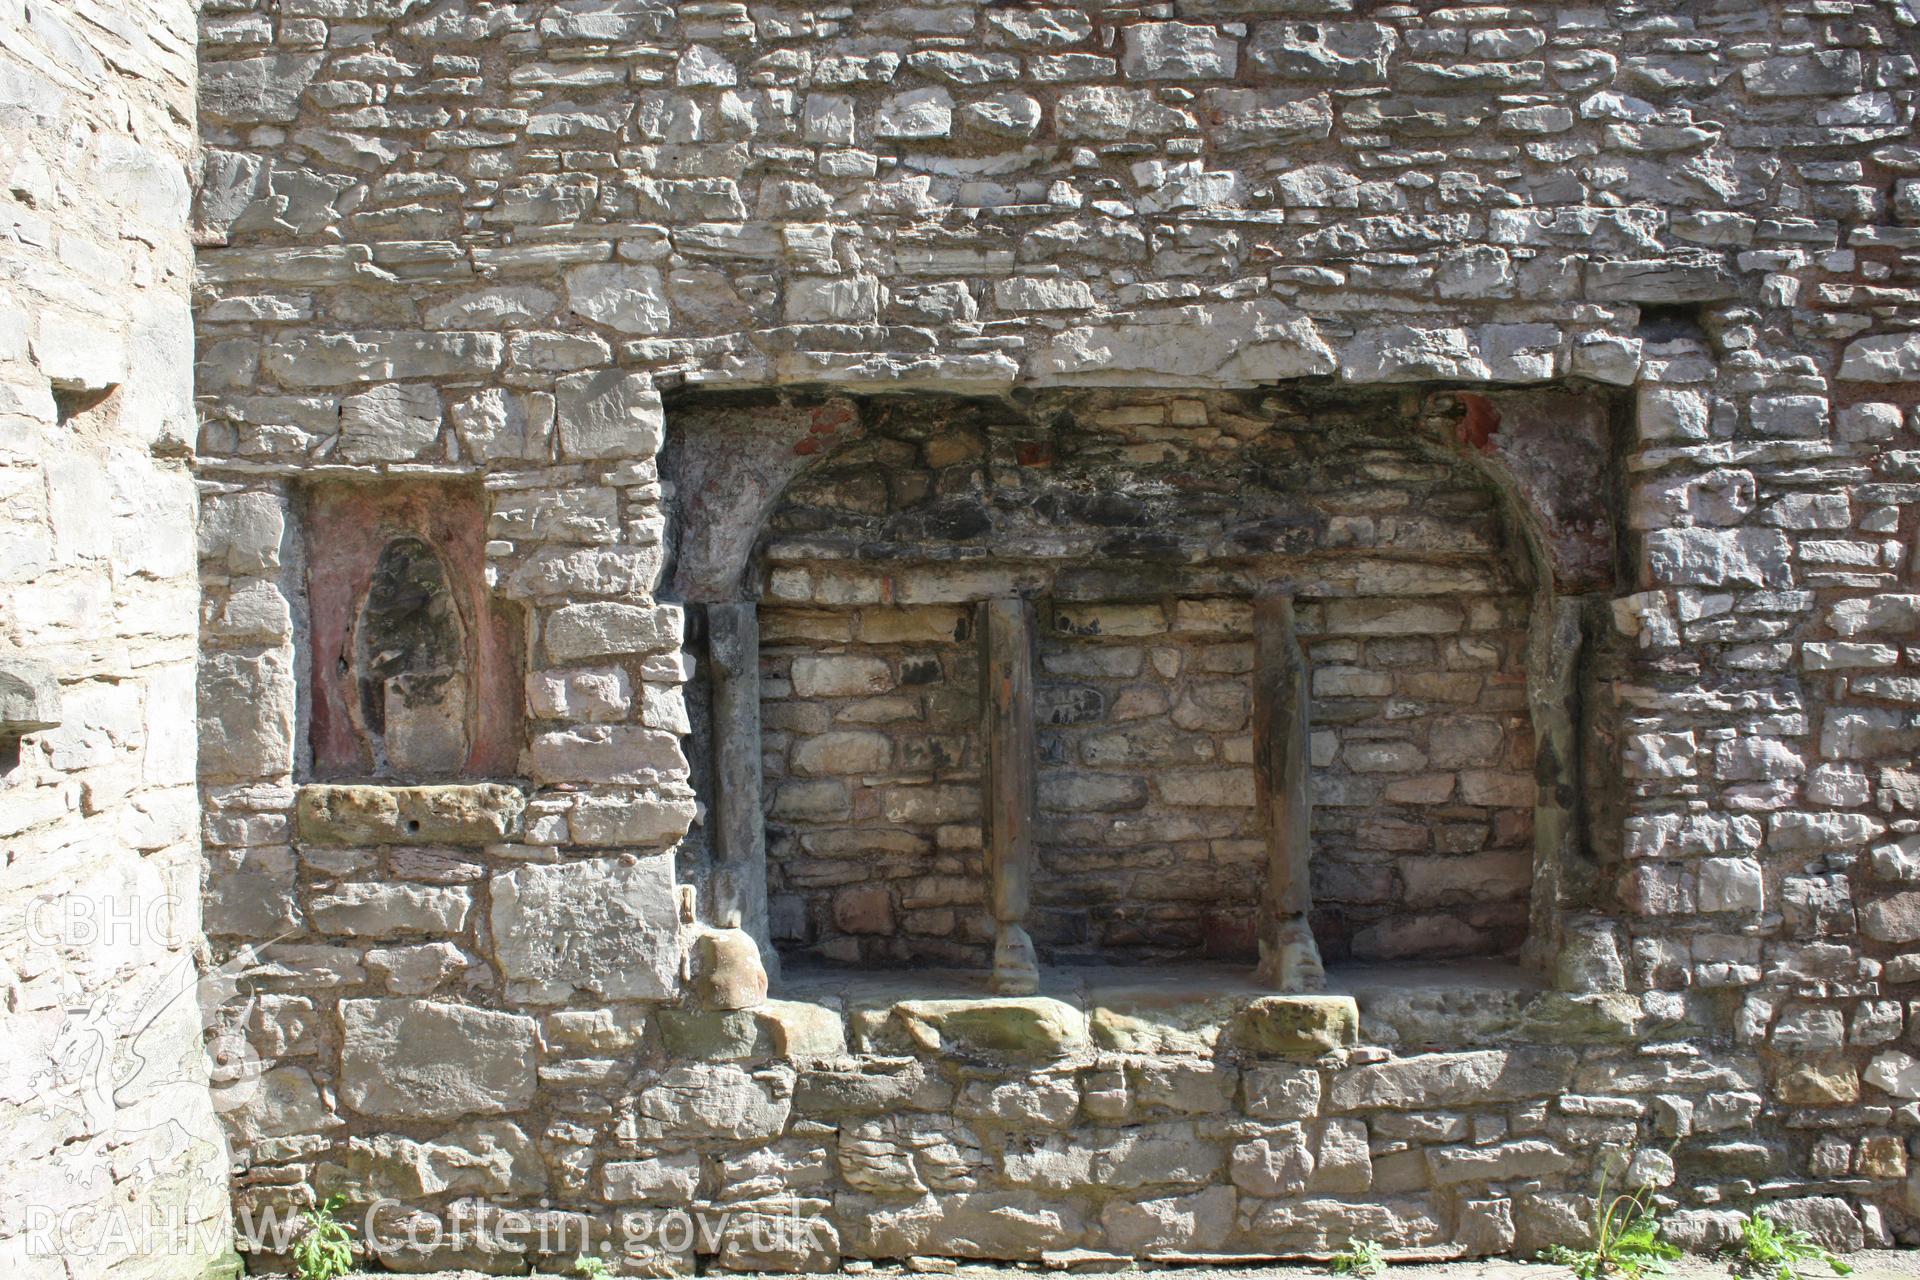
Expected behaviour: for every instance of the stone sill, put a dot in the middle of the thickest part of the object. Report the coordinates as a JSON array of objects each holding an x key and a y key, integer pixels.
[
  {"x": 361, "y": 813},
  {"x": 1196, "y": 1011}
]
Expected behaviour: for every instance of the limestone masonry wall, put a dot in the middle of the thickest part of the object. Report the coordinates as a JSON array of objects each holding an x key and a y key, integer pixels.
[
  {"x": 1624, "y": 298},
  {"x": 114, "y": 1162}
]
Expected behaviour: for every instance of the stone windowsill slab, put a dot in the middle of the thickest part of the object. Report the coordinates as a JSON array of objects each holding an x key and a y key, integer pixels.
[
  {"x": 1203, "y": 1010},
  {"x": 1200, "y": 1010},
  {"x": 477, "y": 813}
]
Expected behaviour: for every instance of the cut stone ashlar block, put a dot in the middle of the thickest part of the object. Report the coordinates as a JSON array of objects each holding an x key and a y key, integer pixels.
[{"x": 463, "y": 814}]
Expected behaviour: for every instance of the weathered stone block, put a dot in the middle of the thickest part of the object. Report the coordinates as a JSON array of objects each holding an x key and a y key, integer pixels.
[
  {"x": 711, "y": 1100},
  {"x": 1454, "y": 1079},
  {"x": 359, "y": 814},
  {"x": 608, "y": 413},
  {"x": 628, "y": 298},
  {"x": 1015, "y": 1028},
  {"x": 482, "y": 1158},
  {"x": 1197, "y": 1223},
  {"x": 610, "y": 926},
  {"x": 246, "y": 715},
  {"x": 391, "y": 910},
  {"x": 1297, "y": 1025},
  {"x": 424, "y": 1059},
  {"x": 973, "y": 1224},
  {"x": 579, "y": 632}
]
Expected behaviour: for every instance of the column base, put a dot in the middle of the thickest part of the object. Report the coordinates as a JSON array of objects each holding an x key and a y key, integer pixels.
[
  {"x": 1289, "y": 957},
  {"x": 1016, "y": 970}
]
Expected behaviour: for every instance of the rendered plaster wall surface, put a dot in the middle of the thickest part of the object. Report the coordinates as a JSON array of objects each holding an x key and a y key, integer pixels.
[
  {"x": 481, "y": 239},
  {"x": 114, "y": 1163}
]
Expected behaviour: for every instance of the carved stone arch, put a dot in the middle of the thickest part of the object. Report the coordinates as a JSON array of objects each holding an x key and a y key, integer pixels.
[
  {"x": 734, "y": 462},
  {"x": 414, "y": 690},
  {"x": 1552, "y": 457}
]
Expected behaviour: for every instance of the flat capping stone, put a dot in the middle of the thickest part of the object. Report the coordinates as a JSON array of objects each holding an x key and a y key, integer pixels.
[{"x": 475, "y": 813}]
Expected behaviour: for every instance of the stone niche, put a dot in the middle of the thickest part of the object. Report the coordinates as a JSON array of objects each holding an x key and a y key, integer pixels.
[
  {"x": 1178, "y": 579},
  {"x": 415, "y": 668}
]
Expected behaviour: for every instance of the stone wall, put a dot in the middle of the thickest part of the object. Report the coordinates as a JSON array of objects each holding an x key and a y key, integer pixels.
[
  {"x": 479, "y": 240},
  {"x": 873, "y": 760},
  {"x": 114, "y": 1160}
]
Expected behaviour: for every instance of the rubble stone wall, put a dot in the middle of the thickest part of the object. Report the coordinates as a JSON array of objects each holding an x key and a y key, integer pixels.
[
  {"x": 114, "y": 1161},
  {"x": 471, "y": 239}
]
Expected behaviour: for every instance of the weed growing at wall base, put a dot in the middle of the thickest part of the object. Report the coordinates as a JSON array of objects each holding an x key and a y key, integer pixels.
[
  {"x": 1626, "y": 1239},
  {"x": 1360, "y": 1258},
  {"x": 324, "y": 1250},
  {"x": 1773, "y": 1251}
]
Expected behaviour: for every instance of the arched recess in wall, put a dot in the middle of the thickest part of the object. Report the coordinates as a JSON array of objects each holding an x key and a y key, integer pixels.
[{"x": 854, "y": 540}]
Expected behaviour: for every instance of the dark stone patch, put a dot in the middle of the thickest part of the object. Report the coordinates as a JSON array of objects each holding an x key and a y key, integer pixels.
[
  {"x": 1069, "y": 704},
  {"x": 920, "y": 670}
]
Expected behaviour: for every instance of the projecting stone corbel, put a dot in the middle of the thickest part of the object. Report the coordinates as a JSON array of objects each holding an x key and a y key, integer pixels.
[{"x": 29, "y": 703}]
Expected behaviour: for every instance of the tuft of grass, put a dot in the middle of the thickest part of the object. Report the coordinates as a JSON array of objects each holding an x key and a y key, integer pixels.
[
  {"x": 588, "y": 1267},
  {"x": 1626, "y": 1239},
  {"x": 324, "y": 1250},
  {"x": 1359, "y": 1258},
  {"x": 1768, "y": 1248}
]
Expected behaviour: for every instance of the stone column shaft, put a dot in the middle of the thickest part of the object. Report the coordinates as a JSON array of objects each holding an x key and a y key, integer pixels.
[
  {"x": 1009, "y": 785},
  {"x": 739, "y": 829},
  {"x": 1289, "y": 958},
  {"x": 1553, "y": 671}
]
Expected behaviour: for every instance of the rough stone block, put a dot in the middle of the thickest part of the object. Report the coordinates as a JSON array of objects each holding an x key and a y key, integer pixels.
[{"x": 1454, "y": 1079}]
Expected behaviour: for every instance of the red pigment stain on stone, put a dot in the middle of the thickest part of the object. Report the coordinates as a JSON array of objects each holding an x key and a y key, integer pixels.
[
  {"x": 347, "y": 527},
  {"x": 810, "y": 444},
  {"x": 1481, "y": 421},
  {"x": 1035, "y": 455},
  {"x": 829, "y": 418}
]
